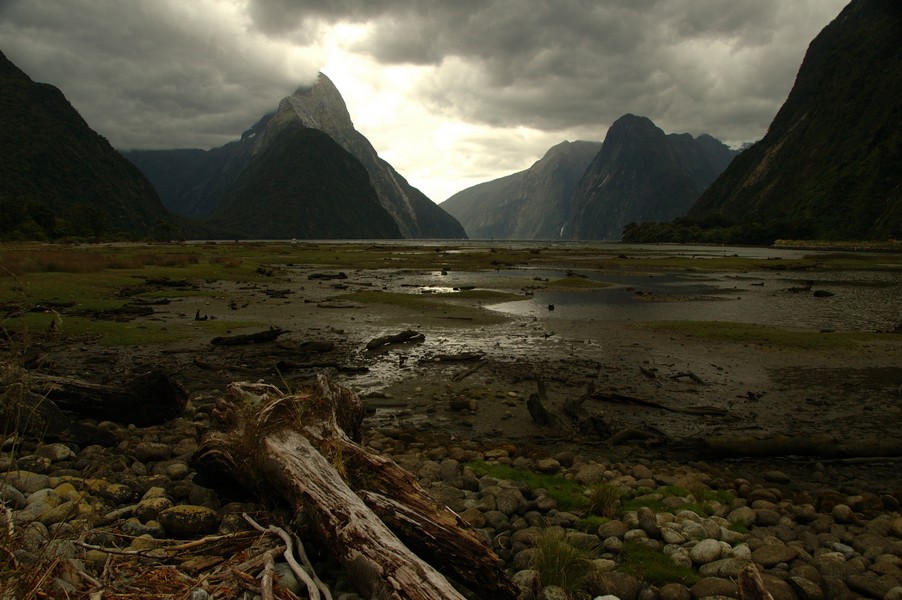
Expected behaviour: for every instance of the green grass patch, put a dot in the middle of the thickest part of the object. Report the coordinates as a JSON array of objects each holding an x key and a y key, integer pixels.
[
  {"x": 654, "y": 567},
  {"x": 568, "y": 494},
  {"x": 762, "y": 335},
  {"x": 590, "y": 524}
]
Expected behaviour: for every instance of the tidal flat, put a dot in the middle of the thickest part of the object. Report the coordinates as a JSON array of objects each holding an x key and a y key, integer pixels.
[{"x": 695, "y": 353}]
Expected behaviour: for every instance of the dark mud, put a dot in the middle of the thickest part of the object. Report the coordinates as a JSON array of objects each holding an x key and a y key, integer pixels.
[{"x": 573, "y": 340}]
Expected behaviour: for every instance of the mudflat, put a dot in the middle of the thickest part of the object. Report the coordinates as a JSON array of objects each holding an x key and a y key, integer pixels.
[{"x": 749, "y": 355}]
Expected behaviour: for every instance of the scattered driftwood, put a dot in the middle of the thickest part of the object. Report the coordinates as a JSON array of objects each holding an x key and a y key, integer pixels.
[
  {"x": 690, "y": 375},
  {"x": 290, "y": 365},
  {"x": 537, "y": 410},
  {"x": 459, "y": 357},
  {"x": 328, "y": 276},
  {"x": 408, "y": 336},
  {"x": 686, "y": 410},
  {"x": 148, "y": 399},
  {"x": 259, "y": 337},
  {"x": 302, "y": 448},
  {"x": 33, "y": 414}
]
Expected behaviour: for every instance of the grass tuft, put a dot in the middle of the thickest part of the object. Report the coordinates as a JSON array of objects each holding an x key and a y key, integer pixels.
[{"x": 560, "y": 562}]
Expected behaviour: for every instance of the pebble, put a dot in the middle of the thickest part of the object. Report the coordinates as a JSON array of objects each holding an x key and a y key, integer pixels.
[{"x": 826, "y": 543}]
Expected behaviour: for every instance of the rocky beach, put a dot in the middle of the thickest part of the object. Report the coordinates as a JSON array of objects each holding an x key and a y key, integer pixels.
[{"x": 716, "y": 453}]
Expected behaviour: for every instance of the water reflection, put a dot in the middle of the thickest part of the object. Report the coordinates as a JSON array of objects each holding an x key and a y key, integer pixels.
[{"x": 852, "y": 301}]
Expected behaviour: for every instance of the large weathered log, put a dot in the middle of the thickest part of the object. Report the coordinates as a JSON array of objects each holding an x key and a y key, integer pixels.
[
  {"x": 148, "y": 399},
  {"x": 259, "y": 337},
  {"x": 301, "y": 448},
  {"x": 33, "y": 414},
  {"x": 405, "y": 337}
]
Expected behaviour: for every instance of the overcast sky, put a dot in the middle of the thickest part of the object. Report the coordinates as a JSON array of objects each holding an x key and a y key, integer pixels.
[{"x": 450, "y": 92}]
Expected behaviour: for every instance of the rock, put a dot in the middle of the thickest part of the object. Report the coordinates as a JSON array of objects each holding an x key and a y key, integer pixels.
[
  {"x": 613, "y": 545},
  {"x": 842, "y": 513},
  {"x": 613, "y": 528},
  {"x": 894, "y": 594},
  {"x": 779, "y": 589},
  {"x": 115, "y": 492},
  {"x": 675, "y": 591},
  {"x": 188, "y": 520},
  {"x": 151, "y": 451},
  {"x": 621, "y": 585},
  {"x": 776, "y": 477},
  {"x": 527, "y": 580},
  {"x": 510, "y": 501},
  {"x": 287, "y": 580},
  {"x": 642, "y": 472},
  {"x": 766, "y": 517},
  {"x": 12, "y": 497},
  {"x": 588, "y": 474},
  {"x": 34, "y": 463},
  {"x": 553, "y": 592},
  {"x": 48, "y": 496},
  {"x": 743, "y": 515},
  {"x": 648, "y": 522},
  {"x": 725, "y": 568},
  {"x": 871, "y": 586},
  {"x": 474, "y": 518},
  {"x": 26, "y": 481},
  {"x": 714, "y": 586},
  {"x": 66, "y": 511},
  {"x": 150, "y": 509},
  {"x": 705, "y": 551},
  {"x": 548, "y": 465},
  {"x": 55, "y": 452},
  {"x": 769, "y": 555},
  {"x": 806, "y": 589}
]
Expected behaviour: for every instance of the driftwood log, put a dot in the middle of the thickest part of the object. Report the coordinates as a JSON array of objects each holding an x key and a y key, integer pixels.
[
  {"x": 303, "y": 448},
  {"x": 147, "y": 399},
  {"x": 259, "y": 337},
  {"x": 405, "y": 337}
]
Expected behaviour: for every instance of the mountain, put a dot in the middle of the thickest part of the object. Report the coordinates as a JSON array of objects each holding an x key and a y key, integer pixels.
[
  {"x": 531, "y": 204},
  {"x": 641, "y": 174},
  {"x": 60, "y": 178},
  {"x": 304, "y": 185},
  {"x": 829, "y": 166},
  {"x": 204, "y": 184}
]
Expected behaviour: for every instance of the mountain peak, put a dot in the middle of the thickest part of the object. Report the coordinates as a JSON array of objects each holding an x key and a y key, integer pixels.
[{"x": 320, "y": 106}]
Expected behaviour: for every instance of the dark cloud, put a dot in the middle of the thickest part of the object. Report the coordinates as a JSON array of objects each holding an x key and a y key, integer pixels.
[
  {"x": 723, "y": 66},
  {"x": 152, "y": 73},
  {"x": 170, "y": 73}
]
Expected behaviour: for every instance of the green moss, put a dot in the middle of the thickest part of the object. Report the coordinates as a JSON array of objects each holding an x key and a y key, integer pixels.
[
  {"x": 590, "y": 524},
  {"x": 568, "y": 494},
  {"x": 654, "y": 567}
]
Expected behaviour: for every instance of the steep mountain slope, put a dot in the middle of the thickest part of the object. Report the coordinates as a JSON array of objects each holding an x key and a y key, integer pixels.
[
  {"x": 829, "y": 166},
  {"x": 303, "y": 185},
  {"x": 196, "y": 183},
  {"x": 640, "y": 174},
  {"x": 531, "y": 204},
  {"x": 58, "y": 177},
  {"x": 322, "y": 107}
]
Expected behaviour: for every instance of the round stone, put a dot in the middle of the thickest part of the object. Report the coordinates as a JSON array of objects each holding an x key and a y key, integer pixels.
[
  {"x": 769, "y": 555},
  {"x": 188, "y": 520},
  {"x": 705, "y": 551}
]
